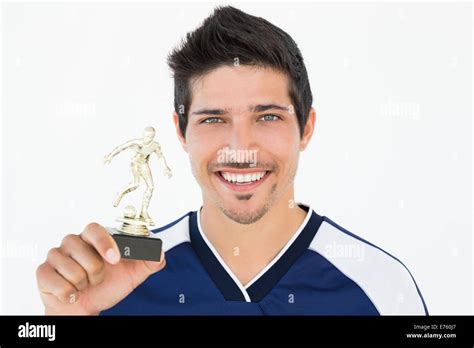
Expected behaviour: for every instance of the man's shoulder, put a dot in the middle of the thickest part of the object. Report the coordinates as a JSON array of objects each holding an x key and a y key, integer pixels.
[
  {"x": 384, "y": 278},
  {"x": 174, "y": 233}
]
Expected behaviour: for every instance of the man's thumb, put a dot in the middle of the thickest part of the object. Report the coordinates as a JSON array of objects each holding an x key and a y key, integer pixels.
[{"x": 153, "y": 266}]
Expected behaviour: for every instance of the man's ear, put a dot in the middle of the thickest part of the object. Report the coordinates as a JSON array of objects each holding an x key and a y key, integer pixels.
[
  {"x": 308, "y": 130},
  {"x": 178, "y": 132}
]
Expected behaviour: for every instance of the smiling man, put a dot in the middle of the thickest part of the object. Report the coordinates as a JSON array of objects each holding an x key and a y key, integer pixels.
[{"x": 243, "y": 114}]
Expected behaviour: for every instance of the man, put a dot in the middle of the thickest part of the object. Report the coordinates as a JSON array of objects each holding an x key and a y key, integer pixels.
[{"x": 240, "y": 86}]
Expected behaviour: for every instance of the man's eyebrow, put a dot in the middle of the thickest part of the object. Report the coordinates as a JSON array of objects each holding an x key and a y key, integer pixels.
[
  {"x": 265, "y": 107},
  {"x": 256, "y": 108},
  {"x": 206, "y": 111}
]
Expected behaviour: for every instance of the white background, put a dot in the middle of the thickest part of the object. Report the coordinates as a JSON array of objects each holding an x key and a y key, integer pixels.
[{"x": 391, "y": 159}]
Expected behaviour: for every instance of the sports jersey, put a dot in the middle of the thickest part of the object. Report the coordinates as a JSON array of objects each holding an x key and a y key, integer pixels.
[{"x": 322, "y": 270}]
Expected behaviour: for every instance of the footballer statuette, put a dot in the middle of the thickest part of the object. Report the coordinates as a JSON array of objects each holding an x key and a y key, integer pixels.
[{"x": 133, "y": 237}]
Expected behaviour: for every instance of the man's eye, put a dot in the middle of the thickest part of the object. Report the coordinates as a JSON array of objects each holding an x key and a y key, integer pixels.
[
  {"x": 211, "y": 120},
  {"x": 270, "y": 117}
]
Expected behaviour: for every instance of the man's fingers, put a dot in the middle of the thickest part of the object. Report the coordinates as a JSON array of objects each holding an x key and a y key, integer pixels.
[
  {"x": 86, "y": 256},
  {"x": 51, "y": 282},
  {"x": 97, "y": 236},
  {"x": 68, "y": 268}
]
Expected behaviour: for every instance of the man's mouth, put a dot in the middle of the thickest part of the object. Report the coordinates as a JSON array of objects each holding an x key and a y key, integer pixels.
[{"x": 242, "y": 180}]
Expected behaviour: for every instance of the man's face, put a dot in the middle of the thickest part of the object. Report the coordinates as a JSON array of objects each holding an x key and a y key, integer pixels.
[{"x": 243, "y": 140}]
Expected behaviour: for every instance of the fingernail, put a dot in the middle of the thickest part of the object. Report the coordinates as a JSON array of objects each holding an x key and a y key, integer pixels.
[{"x": 112, "y": 256}]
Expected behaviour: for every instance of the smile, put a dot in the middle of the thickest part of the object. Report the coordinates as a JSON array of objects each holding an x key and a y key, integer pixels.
[{"x": 242, "y": 181}]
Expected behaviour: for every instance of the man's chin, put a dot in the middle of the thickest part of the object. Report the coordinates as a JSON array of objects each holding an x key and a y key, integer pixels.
[{"x": 245, "y": 215}]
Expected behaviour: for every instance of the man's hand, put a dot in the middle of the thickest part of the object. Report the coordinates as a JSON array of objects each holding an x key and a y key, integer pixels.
[
  {"x": 168, "y": 172},
  {"x": 86, "y": 275}
]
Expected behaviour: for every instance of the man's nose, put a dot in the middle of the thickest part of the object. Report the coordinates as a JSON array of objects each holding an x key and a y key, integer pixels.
[{"x": 242, "y": 136}]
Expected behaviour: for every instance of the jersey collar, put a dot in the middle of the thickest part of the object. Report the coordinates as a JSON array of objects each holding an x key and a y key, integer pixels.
[{"x": 262, "y": 283}]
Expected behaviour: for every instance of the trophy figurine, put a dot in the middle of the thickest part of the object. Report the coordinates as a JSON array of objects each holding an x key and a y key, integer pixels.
[{"x": 133, "y": 237}]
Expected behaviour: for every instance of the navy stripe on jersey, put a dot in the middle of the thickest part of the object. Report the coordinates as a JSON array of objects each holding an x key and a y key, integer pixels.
[
  {"x": 171, "y": 224},
  {"x": 269, "y": 279},
  {"x": 219, "y": 275}
]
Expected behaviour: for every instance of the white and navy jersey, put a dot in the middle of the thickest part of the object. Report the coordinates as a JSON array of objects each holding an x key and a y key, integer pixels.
[{"x": 322, "y": 270}]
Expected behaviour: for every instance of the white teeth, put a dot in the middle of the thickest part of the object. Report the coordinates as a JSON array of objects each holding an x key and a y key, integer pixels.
[{"x": 242, "y": 178}]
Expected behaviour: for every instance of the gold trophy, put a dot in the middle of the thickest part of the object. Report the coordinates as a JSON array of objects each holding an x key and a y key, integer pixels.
[{"x": 133, "y": 237}]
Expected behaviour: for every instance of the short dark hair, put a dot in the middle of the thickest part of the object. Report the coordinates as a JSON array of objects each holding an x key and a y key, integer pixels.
[{"x": 228, "y": 34}]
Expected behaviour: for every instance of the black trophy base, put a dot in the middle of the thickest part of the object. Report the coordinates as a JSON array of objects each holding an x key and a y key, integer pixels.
[{"x": 137, "y": 248}]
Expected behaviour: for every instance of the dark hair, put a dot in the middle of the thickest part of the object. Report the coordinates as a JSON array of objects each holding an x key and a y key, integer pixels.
[{"x": 228, "y": 34}]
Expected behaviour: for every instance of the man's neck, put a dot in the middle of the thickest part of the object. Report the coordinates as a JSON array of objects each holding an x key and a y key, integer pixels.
[{"x": 248, "y": 249}]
